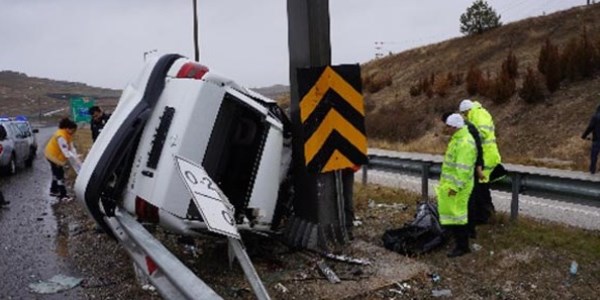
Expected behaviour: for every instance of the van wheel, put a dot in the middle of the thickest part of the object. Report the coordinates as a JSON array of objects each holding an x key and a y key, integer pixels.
[
  {"x": 30, "y": 158},
  {"x": 12, "y": 165}
]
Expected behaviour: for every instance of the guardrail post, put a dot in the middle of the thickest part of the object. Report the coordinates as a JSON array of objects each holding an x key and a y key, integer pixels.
[
  {"x": 365, "y": 169},
  {"x": 425, "y": 182},
  {"x": 514, "y": 205}
]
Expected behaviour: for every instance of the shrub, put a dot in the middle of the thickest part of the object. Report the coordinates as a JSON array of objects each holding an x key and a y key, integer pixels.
[
  {"x": 549, "y": 64},
  {"x": 441, "y": 86},
  {"x": 502, "y": 88},
  {"x": 531, "y": 90},
  {"x": 552, "y": 68},
  {"x": 543, "y": 56},
  {"x": 485, "y": 84},
  {"x": 587, "y": 56},
  {"x": 568, "y": 59},
  {"x": 579, "y": 58},
  {"x": 473, "y": 79},
  {"x": 510, "y": 65}
]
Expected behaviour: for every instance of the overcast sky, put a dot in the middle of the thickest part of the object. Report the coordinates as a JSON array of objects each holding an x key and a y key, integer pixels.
[{"x": 102, "y": 42}]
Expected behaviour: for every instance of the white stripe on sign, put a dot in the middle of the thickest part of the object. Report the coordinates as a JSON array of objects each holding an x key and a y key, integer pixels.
[{"x": 217, "y": 212}]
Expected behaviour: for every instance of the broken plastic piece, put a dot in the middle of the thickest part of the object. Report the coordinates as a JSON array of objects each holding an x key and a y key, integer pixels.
[
  {"x": 280, "y": 287},
  {"x": 441, "y": 293},
  {"x": 328, "y": 272},
  {"x": 573, "y": 268},
  {"x": 57, "y": 283}
]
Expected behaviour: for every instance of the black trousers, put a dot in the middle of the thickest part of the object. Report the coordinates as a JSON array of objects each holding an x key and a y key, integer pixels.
[
  {"x": 481, "y": 206},
  {"x": 58, "y": 180}
]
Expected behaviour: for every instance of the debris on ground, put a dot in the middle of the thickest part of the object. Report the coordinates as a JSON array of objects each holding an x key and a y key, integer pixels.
[
  {"x": 348, "y": 259},
  {"x": 441, "y": 293},
  {"x": 57, "y": 283},
  {"x": 573, "y": 268},
  {"x": 281, "y": 288},
  {"x": 398, "y": 206},
  {"x": 435, "y": 277},
  {"x": 328, "y": 272}
]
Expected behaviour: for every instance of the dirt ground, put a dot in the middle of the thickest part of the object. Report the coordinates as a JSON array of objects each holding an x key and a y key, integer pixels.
[{"x": 526, "y": 260}]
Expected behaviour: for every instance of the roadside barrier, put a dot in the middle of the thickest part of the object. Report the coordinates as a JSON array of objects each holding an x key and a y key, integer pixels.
[{"x": 571, "y": 186}]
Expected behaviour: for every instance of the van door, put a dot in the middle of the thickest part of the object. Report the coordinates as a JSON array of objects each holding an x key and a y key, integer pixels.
[{"x": 21, "y": 147}]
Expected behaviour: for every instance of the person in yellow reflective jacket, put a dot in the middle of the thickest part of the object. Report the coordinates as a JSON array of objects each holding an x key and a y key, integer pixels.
[
  {"x": 456, "y": 182},
  {"x": 59, "y": 150},
  {"x": 474, "y": 112}
]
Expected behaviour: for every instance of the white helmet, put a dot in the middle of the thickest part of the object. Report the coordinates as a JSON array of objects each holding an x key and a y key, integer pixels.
[{"x": 465, "y": 105}]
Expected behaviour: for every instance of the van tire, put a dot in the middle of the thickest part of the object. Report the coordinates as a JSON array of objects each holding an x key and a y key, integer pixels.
[
  {"x": 30, "y": 158},
  {"x": 11, "y": 169}
]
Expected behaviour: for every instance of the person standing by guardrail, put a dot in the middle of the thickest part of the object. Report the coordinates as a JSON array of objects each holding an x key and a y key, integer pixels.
[
  {"x": 59, "y": 150},
  {"x": 456, "y": 182},
  {"x": 474, "y": 112},
  {"x": 593, "y": 128},
  {"x": 474, "y": 203}
]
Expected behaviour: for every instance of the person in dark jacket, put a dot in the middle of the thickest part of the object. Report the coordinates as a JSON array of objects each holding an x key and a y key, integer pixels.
[
  {"x": 99, "y": 119},
  {"x": 474, "y": 206},
  {"x": 594, "y": 129}
]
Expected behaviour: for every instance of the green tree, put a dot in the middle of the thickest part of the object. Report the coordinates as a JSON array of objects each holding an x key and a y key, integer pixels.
[{"x": 478, "y": 18}]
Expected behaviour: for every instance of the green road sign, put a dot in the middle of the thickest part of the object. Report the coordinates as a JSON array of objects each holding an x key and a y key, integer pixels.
[{"x": 80, "y": 109}]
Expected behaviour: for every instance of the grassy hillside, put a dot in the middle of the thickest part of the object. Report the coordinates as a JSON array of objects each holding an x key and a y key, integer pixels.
[
  {"x": 545, "y": 133},
  {"x": 24, "y": 95}
]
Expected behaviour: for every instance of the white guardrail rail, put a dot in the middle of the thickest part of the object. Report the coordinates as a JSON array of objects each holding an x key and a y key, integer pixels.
[{"x": 577, "y": 187}]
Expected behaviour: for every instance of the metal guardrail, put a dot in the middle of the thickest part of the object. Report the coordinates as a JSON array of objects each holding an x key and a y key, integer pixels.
[
  {"x": 576, "y": 187},
  {"x": 168, "y": 274}
]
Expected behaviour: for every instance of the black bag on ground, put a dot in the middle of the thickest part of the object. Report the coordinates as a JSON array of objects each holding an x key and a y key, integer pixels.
[{"x": 421, "y": 235}]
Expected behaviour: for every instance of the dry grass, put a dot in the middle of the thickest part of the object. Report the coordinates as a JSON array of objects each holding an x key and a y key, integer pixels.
[
  {"x": 525, "y": 260},
  {"x": 534, "y": 133}
]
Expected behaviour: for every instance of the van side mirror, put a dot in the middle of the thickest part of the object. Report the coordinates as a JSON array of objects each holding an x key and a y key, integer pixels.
[{"x": 35, "y": 130}]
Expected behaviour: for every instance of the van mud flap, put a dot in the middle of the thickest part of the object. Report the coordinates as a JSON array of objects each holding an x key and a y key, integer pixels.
[{"x": 125, "y": 140}]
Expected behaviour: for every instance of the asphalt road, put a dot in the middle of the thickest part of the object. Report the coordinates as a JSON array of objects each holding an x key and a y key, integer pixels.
[{"x": 30, "y": 247}]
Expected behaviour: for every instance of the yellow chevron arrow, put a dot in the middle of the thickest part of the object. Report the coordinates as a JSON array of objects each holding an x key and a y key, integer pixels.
[
  {"x": 333, "y": 121},
  {"x": 330, "y": 80},
  {"x": 337, "y": 161}
]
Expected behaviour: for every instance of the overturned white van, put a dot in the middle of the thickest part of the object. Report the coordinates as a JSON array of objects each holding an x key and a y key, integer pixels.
[{"x": 178, "y": 108}]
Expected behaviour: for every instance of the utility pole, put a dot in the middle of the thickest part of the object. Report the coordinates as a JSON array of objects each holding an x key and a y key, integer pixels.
[
  {"x": 318, "y": 220},
  {"x": 196, "y": 45}
]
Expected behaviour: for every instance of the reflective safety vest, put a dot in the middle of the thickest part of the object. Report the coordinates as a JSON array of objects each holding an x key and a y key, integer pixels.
[
  {"x": 457, "y": 175},
  {"x": 482, "y": 119},
  {"x": 53, "y": 152}
]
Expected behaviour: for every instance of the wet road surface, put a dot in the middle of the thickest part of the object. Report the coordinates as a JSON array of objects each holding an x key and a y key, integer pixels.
[{"x": 30, "y": 246}]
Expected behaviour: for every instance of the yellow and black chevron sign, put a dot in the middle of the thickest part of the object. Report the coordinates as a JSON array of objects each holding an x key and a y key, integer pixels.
[{"x": 333, "y": 117}]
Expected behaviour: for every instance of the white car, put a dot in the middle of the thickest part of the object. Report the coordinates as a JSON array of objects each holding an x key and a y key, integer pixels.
[
  {"x": 18, "y": 145},
  {"x": 178, "y": 108}
]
